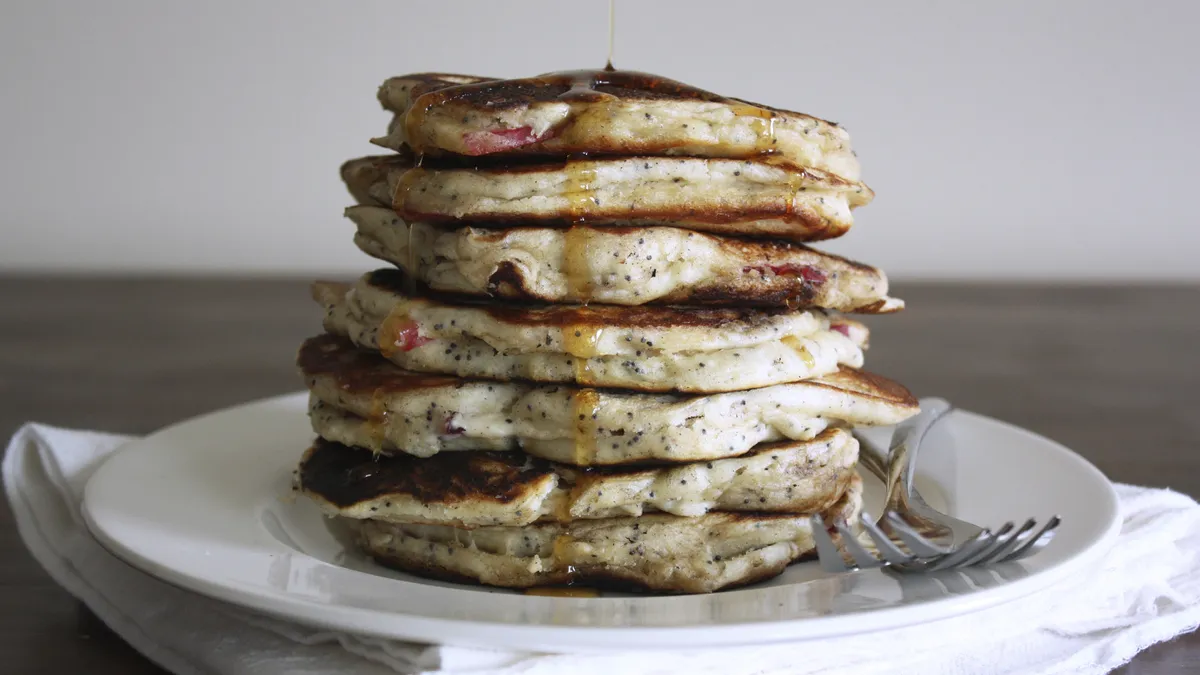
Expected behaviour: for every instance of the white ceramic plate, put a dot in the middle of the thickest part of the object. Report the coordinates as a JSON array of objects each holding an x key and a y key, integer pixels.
[{"x": 206, "y": 504}]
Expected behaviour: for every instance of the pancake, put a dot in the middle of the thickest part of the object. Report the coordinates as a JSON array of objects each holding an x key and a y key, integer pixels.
[
  {"x": 641, "y": 348},
  {"x": 473, "y": 489},
  {"x": 655, "y": 552},
  {"x": 360, "y": 399},
  {"x": 615, "y": 112},
  {"x": 620, "y": 266},
  {"x": 725, "y": 196}
]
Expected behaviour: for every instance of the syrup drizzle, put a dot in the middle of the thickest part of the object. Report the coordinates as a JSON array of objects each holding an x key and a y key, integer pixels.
[
  {"x": 612, "y": 32},
  {"x": 401, "y": 190},
  {"x": 377, "y": 417},
  {"x": 560, "y": 555},
  {"x": 795, "y": 181},
  {"x": 414, "y": 119},
  {"x": 400, "y": 195},
  {"x": 378, "y": 414},
  {"x": 582, "y": 84},
  {"x": 580, "y": 188},
  {"x": 575, "y": 263},
  {"x": 805, "y": 355},
  {"x": 580, "y": 337},
  {"x": 585, "y": 408},
  {"x": 413, "y": 259},
  {"x": 389, "y": 331},
  {"x": 581, "y": 340},
  {"x": 763, "y": 122},
  {"x": 562, "y": 510}
]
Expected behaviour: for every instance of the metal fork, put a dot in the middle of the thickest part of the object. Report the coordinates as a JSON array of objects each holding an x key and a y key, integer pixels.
[{"x": 934, "y": 540}]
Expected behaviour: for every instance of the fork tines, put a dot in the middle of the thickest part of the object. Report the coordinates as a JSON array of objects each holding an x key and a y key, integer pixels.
[{"x": 847, "y": 553}]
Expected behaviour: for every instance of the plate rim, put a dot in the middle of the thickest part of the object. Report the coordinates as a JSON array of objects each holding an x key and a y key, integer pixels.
[{"x": 487, "y": 633}]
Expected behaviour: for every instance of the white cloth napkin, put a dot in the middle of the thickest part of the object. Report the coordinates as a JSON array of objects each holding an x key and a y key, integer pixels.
[{"x": 1146, "y": 590}]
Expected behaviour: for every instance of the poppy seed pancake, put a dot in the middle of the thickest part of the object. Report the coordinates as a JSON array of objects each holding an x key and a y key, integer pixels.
[
  {"x": 646, "y": 348},
  {"x": 599, "y": 112},
  {"x": 473, "y": 489},
  {"x": 755, "y": 197},
  {"x": 620, "y": 265},
  {"x": 656, "y": 552},
  {"x": 359, "y": 398}
]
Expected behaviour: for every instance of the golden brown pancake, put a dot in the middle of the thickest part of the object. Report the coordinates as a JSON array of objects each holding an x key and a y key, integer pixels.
[
  {"x": 647, "y": 348},
  {"x": 473, "y": 489},
  {"x": 655, "y": 552},
  {"x": 621, "y": 265},
  {"x": 755, "y": 197},
  {"x": 599, "y": 112},
  {"x": 361, "y": 399}
]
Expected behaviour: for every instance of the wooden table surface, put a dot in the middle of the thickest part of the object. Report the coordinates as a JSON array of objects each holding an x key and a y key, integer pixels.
[{"x": 1112, "y": 372}]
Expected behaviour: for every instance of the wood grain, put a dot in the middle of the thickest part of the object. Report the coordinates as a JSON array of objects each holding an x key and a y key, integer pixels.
[{"x": 1112, "y": 372}]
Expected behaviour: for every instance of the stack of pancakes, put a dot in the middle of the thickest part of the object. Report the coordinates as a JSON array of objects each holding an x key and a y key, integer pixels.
[{"x": 603, "y": 355}]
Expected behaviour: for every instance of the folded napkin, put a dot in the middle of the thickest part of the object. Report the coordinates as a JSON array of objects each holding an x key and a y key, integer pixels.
[{"x": 1145, "y": 590}]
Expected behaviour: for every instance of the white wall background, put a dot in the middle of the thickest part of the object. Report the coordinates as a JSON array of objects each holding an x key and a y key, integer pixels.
[{"x": 1036, "y": 139}]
